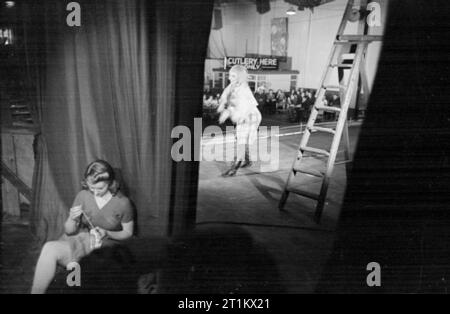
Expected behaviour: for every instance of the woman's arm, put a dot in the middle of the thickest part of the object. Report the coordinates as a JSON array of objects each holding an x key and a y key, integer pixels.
[
  {"x": 72, "y": 223},
  {"x": 125, "y": 233}
]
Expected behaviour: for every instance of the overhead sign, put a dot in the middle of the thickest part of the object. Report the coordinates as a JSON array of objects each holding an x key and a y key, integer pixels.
[{"x": 252, "y": 63}]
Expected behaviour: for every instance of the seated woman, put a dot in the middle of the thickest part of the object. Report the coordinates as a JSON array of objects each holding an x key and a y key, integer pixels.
[{"x": 100, "y": 216}]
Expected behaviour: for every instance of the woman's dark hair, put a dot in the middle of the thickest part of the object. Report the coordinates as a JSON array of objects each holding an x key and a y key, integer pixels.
[{"x": 98, "y": 171}]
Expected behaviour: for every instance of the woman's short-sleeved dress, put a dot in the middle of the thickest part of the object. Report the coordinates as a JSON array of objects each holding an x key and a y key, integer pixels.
[{"x": 110, "y": 217}]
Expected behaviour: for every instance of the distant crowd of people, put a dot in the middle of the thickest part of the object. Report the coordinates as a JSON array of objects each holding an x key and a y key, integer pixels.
[{"x": 297, "y": 103}]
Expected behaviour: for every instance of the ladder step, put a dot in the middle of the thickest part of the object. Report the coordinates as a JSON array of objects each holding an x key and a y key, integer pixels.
[
  {"x": 302, "y": 168},
  {"x": 328, "y": 108},
  {"x": 320, "y": 129},
  {"x": 315, "y": 150},
  {"x": 307, "y": 194},
  {"x": 338, "y": 87},
  {"x": 343, "y": 162},
  {"x": 343, "y": 42},
  {"x": 341, "y": 65},
  {"x": 348, "y": 56},
  {"x": 360, "y": 38}
]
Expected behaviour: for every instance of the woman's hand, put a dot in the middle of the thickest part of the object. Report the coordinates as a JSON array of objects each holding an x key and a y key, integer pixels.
[
  {"x": 101, "y": 232},
  {"x": 75, "y": 212},
  {"x": 73, "y": 221}
]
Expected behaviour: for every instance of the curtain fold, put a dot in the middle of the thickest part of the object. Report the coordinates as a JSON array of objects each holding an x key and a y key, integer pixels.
[{"x": 111, "y": 92}]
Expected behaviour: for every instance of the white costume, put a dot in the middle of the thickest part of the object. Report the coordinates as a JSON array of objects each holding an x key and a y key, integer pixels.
[{"x": 238, "y": 103}]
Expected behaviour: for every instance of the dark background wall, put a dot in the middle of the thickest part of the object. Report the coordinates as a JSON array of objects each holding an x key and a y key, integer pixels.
[{"x": 396, "y": 209}]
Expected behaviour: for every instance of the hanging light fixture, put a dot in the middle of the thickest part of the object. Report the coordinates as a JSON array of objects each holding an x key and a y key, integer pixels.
[{"x": 291, "y": 11}]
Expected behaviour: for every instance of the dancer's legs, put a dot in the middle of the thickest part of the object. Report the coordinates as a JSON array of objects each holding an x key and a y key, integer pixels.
[
  {"x": 52, "y": 253},
  {"x": 251, "y": 137},
  {"x": 239, "y": 154},
  {"x": 246, "y": 135},
  {"x": 247, "y": 162}
]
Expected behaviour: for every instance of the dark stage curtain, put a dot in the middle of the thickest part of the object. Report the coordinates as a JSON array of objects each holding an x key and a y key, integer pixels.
[
  {"x": 113, "y": 89},
  {"x": 396, "y": 209}
]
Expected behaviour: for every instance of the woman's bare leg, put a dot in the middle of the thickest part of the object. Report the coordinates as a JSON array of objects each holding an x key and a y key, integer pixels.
[{"x": 52, "y": 253}]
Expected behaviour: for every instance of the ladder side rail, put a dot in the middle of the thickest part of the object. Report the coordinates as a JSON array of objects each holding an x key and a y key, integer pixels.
[
  {"x": 363, "y": 75},
  {"x": 312, "y": 119},
  {"x": 346, "y": 141},
  {"x": 344, "y": 109},
  {"x": 339, "y": 130},
  {"x": 285, "y": 193},
  {"x": 303, "y": 143},
  {"x": 344, "y": 20},
  {"x": 340, "y": 31},
  {"x": 327, "y": 69},
  {"x": 320, "y": 92},
  {"x": 292, "y": 171}
]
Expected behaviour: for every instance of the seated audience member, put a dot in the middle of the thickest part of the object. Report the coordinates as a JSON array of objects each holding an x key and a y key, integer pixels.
[
  {"x": 302, "y": 99},
  {"x": 206, "y": 96},
  {"x": 311, "y": 95},
  {"x": 292, "y": 92},
  {"x": 292, "y": 100},
  {"x": 321, "y": 114},
  {"x": 271, "y": 102},
  {"x": 214, "y": 103},
  {"x": 207, "y": 101},
  {"x": 209, "y": 110},
  {"x": 335, "y": 102},
  {"x": 101, "y": 216},
  {"x": 307, "y": 104},
  {"x": 281, "y": 100},
  {"x": 294, "y": 107},
  {"x": 293, "y": 114},
  {"x": 326, "y": 102},
  {"x": 308, "y": 100},
  {"x": 260, "y": 97}
]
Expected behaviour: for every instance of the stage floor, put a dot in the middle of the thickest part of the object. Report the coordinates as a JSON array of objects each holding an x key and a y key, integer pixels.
[{"x": 250, "y": 199}]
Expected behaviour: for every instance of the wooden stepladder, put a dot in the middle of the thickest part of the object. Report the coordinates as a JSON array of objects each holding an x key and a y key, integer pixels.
[{"x": 348, "y": 58}]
